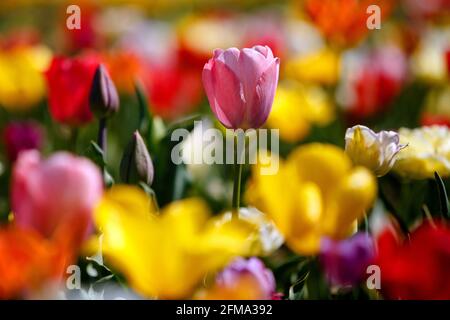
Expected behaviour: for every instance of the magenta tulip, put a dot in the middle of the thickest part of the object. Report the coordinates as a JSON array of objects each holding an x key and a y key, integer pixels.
[
  {"x": 55, "y": 195},
  {"x": 241, "y": 84},
  {"x": 21, "y": 136}
]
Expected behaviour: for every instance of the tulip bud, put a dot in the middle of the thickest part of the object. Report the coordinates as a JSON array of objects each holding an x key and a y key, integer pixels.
[
  {"x": 241, "y": 85},
  {"x": 376, "y": 151},
  {"x": 104, "y": 99},
  {"x": 136, "y": 164}
]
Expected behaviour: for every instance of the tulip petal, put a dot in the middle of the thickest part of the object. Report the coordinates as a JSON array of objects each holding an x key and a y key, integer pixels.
[
  {"x": 252, "y": 65},
  {"x": 258, "y": 112},
  {"x": 222, "y": 85}
]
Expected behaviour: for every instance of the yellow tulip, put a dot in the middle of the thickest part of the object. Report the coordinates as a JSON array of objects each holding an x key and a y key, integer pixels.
[
  {"x": 165, "y": 255},
  {"x": 428, "y": 151},
  {"x": 322, "y": 66},
  {"x": 315, "y": 193},
  {"x": 296, "y": 108},
  {"x": 22, "y": 83}
]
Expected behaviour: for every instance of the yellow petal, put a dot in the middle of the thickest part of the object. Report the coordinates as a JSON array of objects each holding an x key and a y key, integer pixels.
[{"x": 354, "y": 195}]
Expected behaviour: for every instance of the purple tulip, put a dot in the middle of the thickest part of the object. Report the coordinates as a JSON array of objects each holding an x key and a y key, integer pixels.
[
  {"x": 252, "y": 267},
  {"x": 241, "y": 84},
  {"x": 21, "y": 136},
  {"x": 345, "y": 262}
]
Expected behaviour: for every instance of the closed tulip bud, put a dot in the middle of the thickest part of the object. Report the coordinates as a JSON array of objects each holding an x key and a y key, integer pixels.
[
  {"x": 104, "y": 99},
  {"x": 136, "y": 164},
  {"x": 376, "y": 151},
  {"x": 241, "y": 85}
]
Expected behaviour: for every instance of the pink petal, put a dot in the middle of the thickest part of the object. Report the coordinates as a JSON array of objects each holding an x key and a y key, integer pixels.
[
  {"x": 265, "y": 93},
  {"x": 252, "y": 65},
  {"x": 224, "y": 93}
]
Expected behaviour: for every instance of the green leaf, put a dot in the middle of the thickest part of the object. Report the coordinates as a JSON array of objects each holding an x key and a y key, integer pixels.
[
  {"x": 443, "y": 199},
  {"x": 145, "y": 115},
  {"x": 95, "y": 153}
]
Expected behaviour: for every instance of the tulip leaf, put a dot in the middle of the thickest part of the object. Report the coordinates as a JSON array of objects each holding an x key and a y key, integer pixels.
[
  {"x": 145, "y": 115},
  {"x": 96, "y": 154},
  {"x": 108, "y": 180},
  {"x": 443, "y": 199}
]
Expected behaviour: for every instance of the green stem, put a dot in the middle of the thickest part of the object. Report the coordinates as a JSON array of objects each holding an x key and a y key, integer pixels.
[
  {"x": 102, "y": 135},
  {"x": 74, "y": 139},
  {"x": 237, "y": 178}
]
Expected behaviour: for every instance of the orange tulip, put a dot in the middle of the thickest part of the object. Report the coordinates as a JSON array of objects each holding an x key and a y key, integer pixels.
[{"x": 29, "y": 262}]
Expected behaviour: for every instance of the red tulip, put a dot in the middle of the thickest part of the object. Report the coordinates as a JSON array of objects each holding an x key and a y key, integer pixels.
[
  {"x": 69, "y": 83},
  {"x": 447, "y": 59},
  {"x": 173, "y": 90},
  {"x": 55, "y": 196},
  {"x": 373, "y": 81},
  {"x": 241, "y": 85},
  {"x": 416, "y": 268}
]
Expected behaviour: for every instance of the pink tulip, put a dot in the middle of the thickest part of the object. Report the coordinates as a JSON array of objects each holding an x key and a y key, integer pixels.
[
  {"x": 55, "y": 196},
  {"x": 241, "y": 84}
]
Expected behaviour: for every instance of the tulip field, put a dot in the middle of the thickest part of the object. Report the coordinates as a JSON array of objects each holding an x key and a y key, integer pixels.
[{"x": 225, "y": 150}]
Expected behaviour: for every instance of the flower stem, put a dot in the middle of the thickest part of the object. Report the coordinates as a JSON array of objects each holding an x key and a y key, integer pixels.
[
  {"x": 237, "y": 178},
  {"x": 73, "y": 140},
  {"x": 102, "y": 135}
]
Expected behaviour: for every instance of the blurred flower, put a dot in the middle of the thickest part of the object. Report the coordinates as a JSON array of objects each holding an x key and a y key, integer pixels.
[
  {"x": 344, "y": 21},
  {"x": 437, "y": 107},
  {"x": 241, "y": 85},
  {"x": 136, "y": 164},
  {"x": 242, "y": 280},
  {"x": 197, "y": 36},
  {"x": 29, "y": 262},
  {"x": 264, "y": 30},
  {"x": 428, "y": 61},
  {"x": 125, "y": 69},
  {"x": 447, "y": 59},
  {"x": 376, "y": 151},
  {"x": 296, "y": 108},
  {"x": 315, "y": 193},
  {"x": 345, "y": 262},
  {"x": 322, "y": 66},
  {"x": 56, "y": 196},
  {"x": 371, "y": 80},
  {"x": 69, "y": 83},
  {"x": 266, "y": 237},
  {"x": 416, "y": 268},
  {"x": 86, "y": 36},
  {"x": 428, "y": 152},
  {"x": 22, "y": 85},
  {"x": 21, "y": 136},
  {"x": 173, "y": 90},
  {"x": 431, "y": 9},
  {"x": 103, "y": 97},
  {"x": 166, "y": 255}
]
